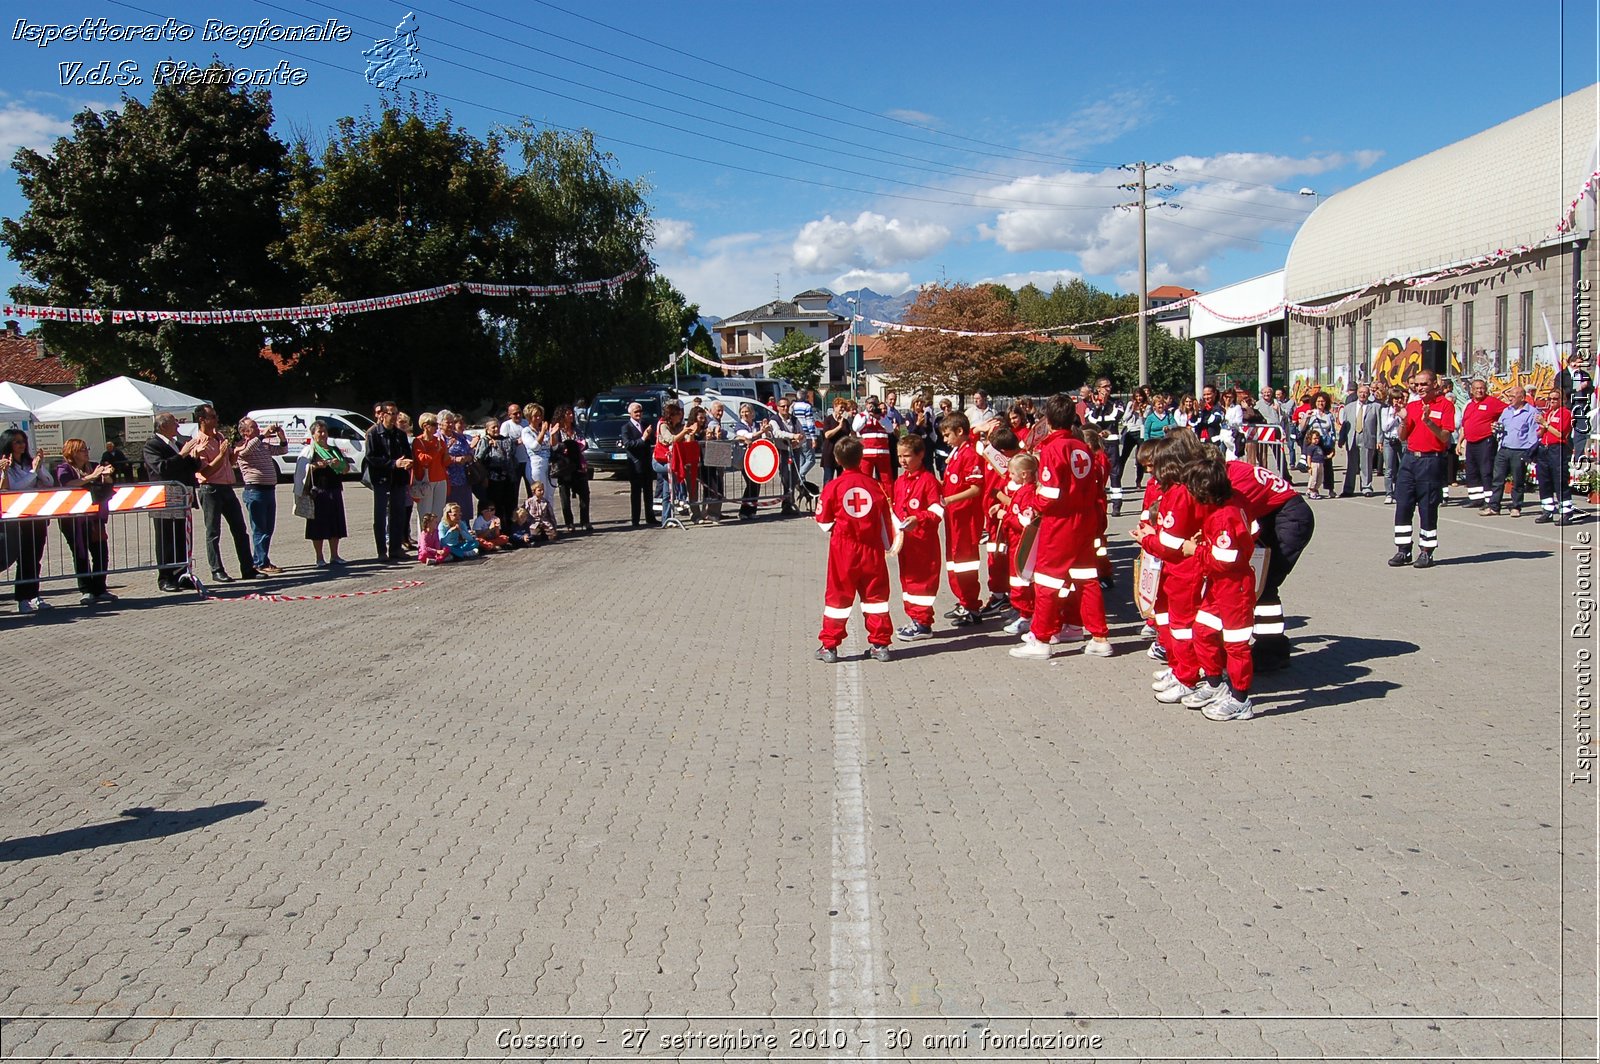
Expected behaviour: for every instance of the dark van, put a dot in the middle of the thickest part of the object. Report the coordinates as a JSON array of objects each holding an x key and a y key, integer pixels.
[{"x": 602, "y": 424}]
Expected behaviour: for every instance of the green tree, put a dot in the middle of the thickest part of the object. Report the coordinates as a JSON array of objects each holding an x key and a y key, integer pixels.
[
  {"x": 399, "y": 202},
  {"x": 951, "y": 364},
  {"x": 573, "y": 219},
  {"x": 803, "y": 370},
  {"x": 170, "y": 205},
  {"x": 1171, "y": 359}
]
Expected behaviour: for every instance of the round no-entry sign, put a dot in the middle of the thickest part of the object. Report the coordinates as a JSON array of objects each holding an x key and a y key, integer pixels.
[{"x": 761, "y": 461}]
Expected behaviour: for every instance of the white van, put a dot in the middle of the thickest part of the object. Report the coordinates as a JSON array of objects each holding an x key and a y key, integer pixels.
[{"x": 347, "y": 430}]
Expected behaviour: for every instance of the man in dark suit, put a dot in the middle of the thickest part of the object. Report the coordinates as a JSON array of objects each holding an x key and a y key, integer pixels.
[
  {"x": 168, "y": 457},
  {"x": 638, "y": 439},
  {"x": 389, "y": 470}
]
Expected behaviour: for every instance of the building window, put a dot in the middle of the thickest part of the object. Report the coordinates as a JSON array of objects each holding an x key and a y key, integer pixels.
[
  {"x": 744, "y": 341},
  {"x": 1525, "y": 352},
  {"x": 1467, "y": 351},
  {"x": 787, "y": 329},
  {"x": 1502, "y": 328}
]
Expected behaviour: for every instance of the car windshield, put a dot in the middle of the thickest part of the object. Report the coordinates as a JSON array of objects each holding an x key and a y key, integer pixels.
[{"x": 609, "y": 407}]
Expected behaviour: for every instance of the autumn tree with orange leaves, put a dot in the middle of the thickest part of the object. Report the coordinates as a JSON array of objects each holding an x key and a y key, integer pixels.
[{"x": 946, "y": 363}]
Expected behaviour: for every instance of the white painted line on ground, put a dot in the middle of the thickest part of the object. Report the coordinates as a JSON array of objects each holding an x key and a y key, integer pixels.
[{"x": 853, "y": 961}]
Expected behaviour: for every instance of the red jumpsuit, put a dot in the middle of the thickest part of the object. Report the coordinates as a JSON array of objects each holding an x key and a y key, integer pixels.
[
  {"x": 995, "y": 477},
  {"x": 1102, "y": 477},
  {"x": 1176, "y": 518},
  {"x": 854, "y": 509},
  {"x": 875, "y": 461},
  {"x": 917, "y": 494},
  {"x": 1023, "y": 510},
  {"x": 1226, "y": 617},
  {"x": 1261, "y": 492},
  {"x": 1063, "y": 549},
  {"x": 963, "y": 522}
]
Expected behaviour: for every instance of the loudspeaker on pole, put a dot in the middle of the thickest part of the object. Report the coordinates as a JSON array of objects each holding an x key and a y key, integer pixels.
[{"x": 1435, "y": 358}]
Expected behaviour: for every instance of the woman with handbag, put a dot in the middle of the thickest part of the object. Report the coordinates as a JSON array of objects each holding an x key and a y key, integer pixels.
[
  {"x": 319, "y": 494},
  {"x": 569, "y": 466},
  {"x": 86, "y": 534}
]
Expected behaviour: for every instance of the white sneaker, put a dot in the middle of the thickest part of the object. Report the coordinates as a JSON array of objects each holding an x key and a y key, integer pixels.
[
  {"x": 1228, "y": 707},
  {"x": 1163, "y": 679},
  {"x": 1171, "y": 696},
  {"x": 1018, "y": 626},
  {"x": 1098, "y": 648},
  {"x": 1147, "y": 632},
  {"x": 1032, "y": 649},
  {"x": 86, "y": 599},
  {"x": 33, "y": 605},
  {"x": 1203, "y": 695},
  {"x": 1156, "y": 652},
  {"x": 105, "y": 596}
]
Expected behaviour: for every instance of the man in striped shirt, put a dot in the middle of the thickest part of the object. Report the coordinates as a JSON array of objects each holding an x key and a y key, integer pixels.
[{"x": 255, "y": 452}]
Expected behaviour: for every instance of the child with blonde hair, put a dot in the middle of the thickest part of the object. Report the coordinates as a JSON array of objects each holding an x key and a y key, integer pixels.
[
  {"x": 456, "y": 536},
  {"x": 430, "y": 551}
]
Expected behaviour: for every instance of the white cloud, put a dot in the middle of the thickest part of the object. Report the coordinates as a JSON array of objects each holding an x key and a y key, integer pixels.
[
  {"x": 1100, "y": 122},
  {"x": 1260, "y": 167},
  {"x": 888, "y": 284},
  {"x": 921, "y": 118},
  {"x": 23, "y": 127},
  {"x": 672, "y": 234},
  {"x": 871, "y": 241}
]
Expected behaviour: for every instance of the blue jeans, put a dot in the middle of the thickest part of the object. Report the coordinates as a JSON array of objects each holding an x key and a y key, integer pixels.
[
  {"x": 261, "y": 507},
  {"x": 663, "y": 489}
]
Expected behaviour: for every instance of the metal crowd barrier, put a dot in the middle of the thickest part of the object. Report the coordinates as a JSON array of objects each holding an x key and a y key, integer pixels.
[
  {"x": 98, "y": 531},
  {"x": 724, "y": 490}
]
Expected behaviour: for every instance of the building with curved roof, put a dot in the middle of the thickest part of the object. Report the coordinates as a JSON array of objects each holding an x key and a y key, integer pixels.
[{"x": 1465, "y": 244}]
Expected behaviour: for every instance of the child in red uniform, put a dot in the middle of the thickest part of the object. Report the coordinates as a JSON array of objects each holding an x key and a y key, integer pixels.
[
  {"x": 1102, "y": 477},
  {"x": 1020, "y": 501},
  {"x": 963, "y": 519},
  {"x": 1162, "y": 535},
  {"x": 917, "y": 511},
  {"x": 1226, "y": 616},
  {"x": 1063, "y": 548},
  {"x": 855, "y": 511},
  {"x": 996, "y": 457}
]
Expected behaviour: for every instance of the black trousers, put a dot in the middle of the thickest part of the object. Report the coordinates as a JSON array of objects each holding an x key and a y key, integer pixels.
[
  {"x": 1113, "y": 449},
  {"x": 22, "y": 545},
  {"x": 171, "y": 559},
  {"x": 1130, "y": 445},
  {"x": 1416, "y": 492},
  {"x": 1285, "y": 532},
  {"x": 1481, "y": 469},
  {"x": 390, "y": 501},
  {"x": 580, "y": 489},
  {"x": 86, "y": 538},
  {"x": 641, "y": 494},
  {"x": 219, "y": 502},
  {"x": 1508, "y": 461},
  {"x": 1551, "y": 460}
]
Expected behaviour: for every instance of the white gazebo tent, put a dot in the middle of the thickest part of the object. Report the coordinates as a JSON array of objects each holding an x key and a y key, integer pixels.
[
  {"x": 18, "y": 401},
  {"x": 138, "y": 402}
]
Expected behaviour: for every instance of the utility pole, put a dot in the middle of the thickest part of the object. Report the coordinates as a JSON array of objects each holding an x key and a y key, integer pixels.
[{"x": 1142, "y": 207}]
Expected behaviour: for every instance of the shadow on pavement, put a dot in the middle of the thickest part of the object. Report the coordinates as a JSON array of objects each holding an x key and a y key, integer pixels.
[
  {"x": 1492, "y": 556},
  {"x": 135, "y": 825},
  {"x": 1330, "y": 675}
]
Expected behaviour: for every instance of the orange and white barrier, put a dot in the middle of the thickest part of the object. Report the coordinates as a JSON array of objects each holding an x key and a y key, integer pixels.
[{"x": 74, "y": 502}]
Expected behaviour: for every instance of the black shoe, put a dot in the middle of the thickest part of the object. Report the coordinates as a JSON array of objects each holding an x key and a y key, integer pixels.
[
  {"x": 952, "y": 614},
  {"x": 254, "y": 574},
  {"x": 1545, "y": 517},
  {"x": 1424, "y": 560},
  {"x": 995, "y": 604},
  {"x": 169, "y": 585},
  {"x": 1401, "y": 557},
  {"x": 1571, "y": 518},
  {"x": 220, "y": 577},
  {"x": 964, "y": 619},
  {"x": 1116, "y": 509}
]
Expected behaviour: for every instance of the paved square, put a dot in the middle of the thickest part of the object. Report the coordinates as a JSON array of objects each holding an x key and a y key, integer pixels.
[{"x": 606, "y": 779}]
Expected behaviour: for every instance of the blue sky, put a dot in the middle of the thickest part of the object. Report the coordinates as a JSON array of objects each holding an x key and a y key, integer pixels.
[{"x": 919, "y": 142}]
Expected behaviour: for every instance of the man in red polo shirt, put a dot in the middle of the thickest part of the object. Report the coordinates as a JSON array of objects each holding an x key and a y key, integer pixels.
[
  {"x": 1477, "y": 434},
  {"x": 1425, "y": 434},
  {"x": 1555, "y": 452}
]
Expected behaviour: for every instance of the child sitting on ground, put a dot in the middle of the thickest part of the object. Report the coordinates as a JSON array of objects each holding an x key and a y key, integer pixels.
[
  {"x": 541, "y": 515},
  {"x": 429, "y": 549},
  {"x": 486, "y": 527},
  {"x": 520, "y": 532},
  {"x": 456, "y": 535}
]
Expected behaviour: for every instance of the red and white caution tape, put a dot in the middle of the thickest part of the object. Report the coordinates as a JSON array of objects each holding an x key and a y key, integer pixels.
[{"x": 403, "y": 585}]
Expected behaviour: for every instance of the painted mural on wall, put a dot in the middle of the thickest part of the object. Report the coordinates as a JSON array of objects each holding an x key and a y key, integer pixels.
[{"x": 1400, "y": 356}]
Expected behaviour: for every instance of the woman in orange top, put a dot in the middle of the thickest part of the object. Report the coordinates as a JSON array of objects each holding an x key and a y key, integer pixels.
[{"x": 429, "y": 480}]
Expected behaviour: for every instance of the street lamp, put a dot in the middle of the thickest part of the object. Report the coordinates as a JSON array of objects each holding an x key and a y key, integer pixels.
[{"x": 850, "y": 356}]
